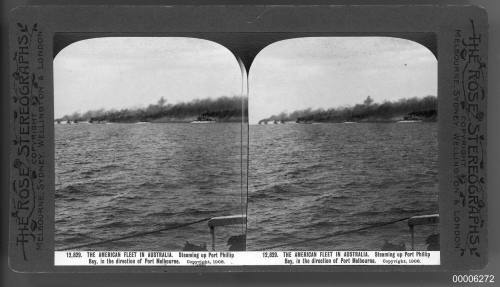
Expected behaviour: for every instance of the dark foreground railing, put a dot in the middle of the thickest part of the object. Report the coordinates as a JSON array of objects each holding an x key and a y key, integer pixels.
[
  {"x": 239, "y": 242},
  {"x": 420, "y": 220},
  {"x": 224, "y": 221}
]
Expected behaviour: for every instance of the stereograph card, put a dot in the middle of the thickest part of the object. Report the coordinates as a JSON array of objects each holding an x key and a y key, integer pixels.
[{"x": 248, "y": 138}]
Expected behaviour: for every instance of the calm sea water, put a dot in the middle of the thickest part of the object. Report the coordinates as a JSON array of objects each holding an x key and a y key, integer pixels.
[{"x": 305, "y": 181}]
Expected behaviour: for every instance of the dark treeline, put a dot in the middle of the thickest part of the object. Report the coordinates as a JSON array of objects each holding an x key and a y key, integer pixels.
[
  {"x": 220, "y": 109},
  {"x": 404, "y": 109}
]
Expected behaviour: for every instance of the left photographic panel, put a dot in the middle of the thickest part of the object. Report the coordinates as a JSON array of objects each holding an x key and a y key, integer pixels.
[{"x": 148, "y": 145}]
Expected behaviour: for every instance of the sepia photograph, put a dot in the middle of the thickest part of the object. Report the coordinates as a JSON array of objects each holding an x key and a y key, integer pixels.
[{"x": 343, "y": 151}]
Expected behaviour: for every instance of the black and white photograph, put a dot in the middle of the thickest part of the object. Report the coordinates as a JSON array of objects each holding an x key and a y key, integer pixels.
[
  {"x": 151, "y": 145},
  {"x": 343, "y": 141},
  {"x": 287, "y": 139},
  {"x": 148, "y": 145}
]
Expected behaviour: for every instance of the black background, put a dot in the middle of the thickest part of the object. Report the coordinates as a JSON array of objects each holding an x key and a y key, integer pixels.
[{"x": 10, "y": 278}]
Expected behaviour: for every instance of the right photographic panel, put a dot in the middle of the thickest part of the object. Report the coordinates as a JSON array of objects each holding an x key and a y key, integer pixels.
[{"x": 343, "y": 145}]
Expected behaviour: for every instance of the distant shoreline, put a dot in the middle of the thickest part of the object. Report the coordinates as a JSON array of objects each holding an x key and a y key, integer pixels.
[
  {"x": 142, "y": 122},
  {"x": 413, "y": 109},
  {"x": 252, "y": 124},
  {"x": 222, "y": 109}
]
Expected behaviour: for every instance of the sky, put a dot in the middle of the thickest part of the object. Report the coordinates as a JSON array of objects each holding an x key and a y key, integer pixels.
[
  {"x": 289, "y": 75},
  {"x": 133, "y": 72},
  {"x": 334, "y": 72}
]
